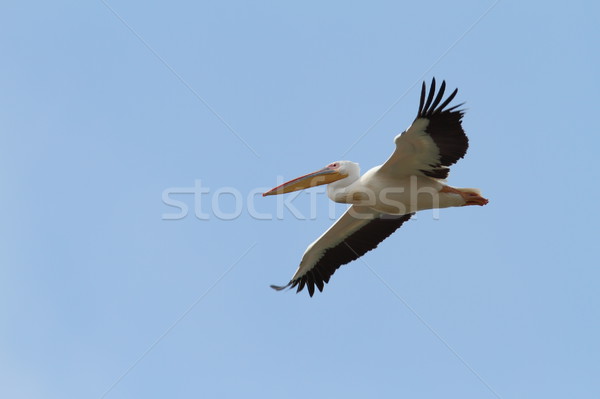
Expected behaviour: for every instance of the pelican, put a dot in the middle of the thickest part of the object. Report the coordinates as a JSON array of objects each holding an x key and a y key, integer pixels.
[{"x": 385, "y": 197}]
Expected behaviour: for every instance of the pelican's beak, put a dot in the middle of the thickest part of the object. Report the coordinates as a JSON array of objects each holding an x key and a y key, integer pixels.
[{"x": 324, "y": 176}]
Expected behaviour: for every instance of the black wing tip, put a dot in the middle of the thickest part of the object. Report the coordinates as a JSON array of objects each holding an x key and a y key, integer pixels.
[
  {"x": 422, "y": 100},
  {"x": 281, "y": 287},
  {"x": 433, "y": 106},
  {"x": 301, "y": 283},
  {"x": 445, "y": 129}
]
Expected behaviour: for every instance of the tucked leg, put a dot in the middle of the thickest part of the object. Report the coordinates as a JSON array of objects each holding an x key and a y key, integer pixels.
[{"x": 469, "y": 195}]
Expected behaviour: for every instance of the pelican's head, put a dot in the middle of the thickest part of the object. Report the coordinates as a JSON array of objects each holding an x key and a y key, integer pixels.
[{"x": 333, "y": 172}]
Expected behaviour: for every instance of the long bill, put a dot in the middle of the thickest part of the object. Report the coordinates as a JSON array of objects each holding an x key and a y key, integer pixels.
[{"x": 323, "y": 176}]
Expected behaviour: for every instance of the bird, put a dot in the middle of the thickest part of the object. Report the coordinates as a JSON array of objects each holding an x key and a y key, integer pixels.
[{"x": 388, "y": 195}]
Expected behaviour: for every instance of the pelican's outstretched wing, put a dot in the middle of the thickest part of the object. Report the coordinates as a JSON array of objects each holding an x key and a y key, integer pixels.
[
  {"x": 359, "y": 230},
  {"x": 434, "y": 141}
]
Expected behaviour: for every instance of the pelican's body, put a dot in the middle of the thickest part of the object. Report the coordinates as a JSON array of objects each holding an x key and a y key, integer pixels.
[
  {"x": 386, "y": 196},
  {"x": 393, "y": 196}
]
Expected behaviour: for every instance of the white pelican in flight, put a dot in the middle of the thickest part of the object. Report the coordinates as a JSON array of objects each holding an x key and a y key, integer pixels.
[{"x": 385, "y": 197}]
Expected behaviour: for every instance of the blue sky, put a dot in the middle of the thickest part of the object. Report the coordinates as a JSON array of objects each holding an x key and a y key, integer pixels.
[{"x": 102, "y": 298}]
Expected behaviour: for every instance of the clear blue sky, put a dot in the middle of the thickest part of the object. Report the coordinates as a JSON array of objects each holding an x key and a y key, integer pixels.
[{"x": 102, "y": 298}]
